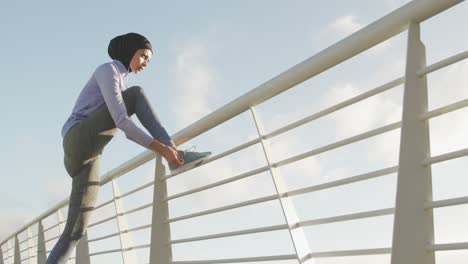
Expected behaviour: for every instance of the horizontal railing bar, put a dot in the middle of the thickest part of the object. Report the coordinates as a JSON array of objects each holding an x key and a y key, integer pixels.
[
  {"x": 443, "y": 63},
  {"x": 223, "y": 154},
  {"x": 104, "y": 204},
  {"x": 53, "y": 226},
  {"x": 102, "y": 221},
  {"x": 25, "y": 240},
  {"x": 136, "y": 190},
  {"x": 445, "y": 109},
  {"x": 104, "y": 237},
  {"x": 136, "y": 247},
  {"x": 337, "y": 107},
  {"x": 225, "y": 208},
  {"x": 124, "y": 195},
  {"x": 121, "y": 232},
  {"x": 354, "y": 179},
  {"x": 445, "y": 157},
  {"x": 128, "y": 166},
  {"x": 50, "y": 239},
  {"x": 105, "y": 252},
  {"x": 33, "y": 236},
  {"x": 451, "y": 246},
  {"x": 136, "y": 209},
  {"x": 367, "y": 37},
  {"x": 238, "y": 260},
  {"x": 447, "y": 202},
  {"x": 115, "y": 173},
  {"x": 281, "y": 163},
  {"x": 348, "y": 217},
  {"x": 136, "y": 228},
  {"x": 118, "y": 250},
  {"x": 22, "y": 242},
  {"x": 338, "y": 144},
  {"x": 29, "y": 257},
  {"x": 290, "y": 193},
  {"x": 231, "y": 234},
  {"x": 219, "y": 183},
  {"x": 346, "y": 253},
  {"x": 28, "y": 248},
  {"x": 363, "y": 39}
]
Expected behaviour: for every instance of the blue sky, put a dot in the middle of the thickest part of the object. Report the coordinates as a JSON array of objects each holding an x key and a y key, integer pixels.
[{"x": 208, "y": 53}]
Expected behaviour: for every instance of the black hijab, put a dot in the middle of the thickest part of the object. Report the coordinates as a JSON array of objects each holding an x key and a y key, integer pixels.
[{"x": 123, "y": 47}]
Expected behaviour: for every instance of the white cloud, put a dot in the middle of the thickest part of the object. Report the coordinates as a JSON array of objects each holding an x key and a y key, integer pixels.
[
  {"x": 363, "y": 116},
  {"x": 394, "y": 4},
  {"x": 195, "y": 82},
  {"x": 342, "y": 27},
  {"x": 346, "y": 25},
  {"x": 449, "y": 132},
  {"x": 336, "y": 30},
  {"x": 216, "y": 171}
]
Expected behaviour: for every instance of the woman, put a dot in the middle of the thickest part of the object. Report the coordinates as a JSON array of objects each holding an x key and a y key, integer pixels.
[{"x": 104, "y": 105}]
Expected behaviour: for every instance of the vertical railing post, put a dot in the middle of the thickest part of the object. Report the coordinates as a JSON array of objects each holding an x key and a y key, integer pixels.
[
  {"x": 17, "y": 251},
  {"x": 30, "y": 246},
  {"x": 160, "y": 248},
  {"x": 125, "y": 238},
  {"x": 82, "y": 251},
  {"x": 1, "y": 255},
  {"x": 413, "y": 225},
  {"x": 41, "y": 247},
  {"x": 298, "y": 237},
  {"x": 61, "y": 223},
  {"x": 9, "y": 255}
]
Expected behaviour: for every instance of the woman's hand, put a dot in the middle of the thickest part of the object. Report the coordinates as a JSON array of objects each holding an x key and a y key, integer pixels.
[{"x": 170, "y": 154}]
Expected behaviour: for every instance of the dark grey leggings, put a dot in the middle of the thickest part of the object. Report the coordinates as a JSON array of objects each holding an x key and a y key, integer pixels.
[{"x": 83, "y": 145}]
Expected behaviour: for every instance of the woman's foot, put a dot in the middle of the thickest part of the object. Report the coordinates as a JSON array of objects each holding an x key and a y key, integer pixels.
[{"x": 190, "y": 158}]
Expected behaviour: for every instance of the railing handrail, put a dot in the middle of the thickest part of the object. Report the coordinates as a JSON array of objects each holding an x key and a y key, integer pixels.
[{"x": 363, "y": 39}]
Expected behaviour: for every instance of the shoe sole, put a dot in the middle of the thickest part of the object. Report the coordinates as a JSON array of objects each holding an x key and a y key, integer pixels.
[{"x": 189, "y": 166}]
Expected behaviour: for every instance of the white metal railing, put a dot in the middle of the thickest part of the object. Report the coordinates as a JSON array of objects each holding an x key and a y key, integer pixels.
[{"x": 413, "y": 232}]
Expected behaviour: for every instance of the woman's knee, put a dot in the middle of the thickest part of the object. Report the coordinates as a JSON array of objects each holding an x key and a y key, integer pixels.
[
  {"x": 135, "y": 90},
  {"x": 131, "y": 96}
]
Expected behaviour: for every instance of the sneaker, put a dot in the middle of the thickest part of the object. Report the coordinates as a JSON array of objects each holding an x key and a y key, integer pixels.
[{"x": 191, "y": 159}]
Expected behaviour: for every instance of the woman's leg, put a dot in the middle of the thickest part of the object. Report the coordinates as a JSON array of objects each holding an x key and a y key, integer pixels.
[
  {"x": 137, "y": 103},
  {"x": 83, "y": 197},
  {"x": 83, "y": 145}
]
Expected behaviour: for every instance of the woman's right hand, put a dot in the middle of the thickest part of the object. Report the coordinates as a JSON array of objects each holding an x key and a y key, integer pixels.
[{"x": 170, "y": 154}]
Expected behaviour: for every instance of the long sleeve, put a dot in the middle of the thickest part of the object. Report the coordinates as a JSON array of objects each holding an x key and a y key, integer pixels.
[{"x": 108, "y": 80}]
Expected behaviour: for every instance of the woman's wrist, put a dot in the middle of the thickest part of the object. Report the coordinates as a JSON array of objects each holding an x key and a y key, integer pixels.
[{"x": 158, "y": 147}]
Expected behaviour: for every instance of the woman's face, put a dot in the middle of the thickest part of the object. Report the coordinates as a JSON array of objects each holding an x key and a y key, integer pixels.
[{"x": 140, "y": 60}]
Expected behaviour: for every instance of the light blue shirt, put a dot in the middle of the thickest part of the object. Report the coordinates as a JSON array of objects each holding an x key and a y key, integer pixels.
[{"x": 105, "y": 87}]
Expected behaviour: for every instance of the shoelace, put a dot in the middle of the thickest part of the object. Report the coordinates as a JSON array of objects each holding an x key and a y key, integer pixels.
[{"x": 191, "y": 149}]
